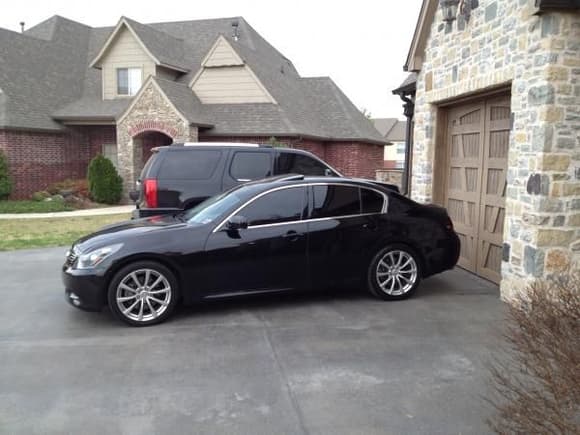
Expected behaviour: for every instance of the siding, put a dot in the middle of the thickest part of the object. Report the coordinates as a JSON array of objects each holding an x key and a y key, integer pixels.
[
  {"x": 229, "y": 85},
  {"x": 125, "y": 52},
  {"x": 223, "y": 55}
]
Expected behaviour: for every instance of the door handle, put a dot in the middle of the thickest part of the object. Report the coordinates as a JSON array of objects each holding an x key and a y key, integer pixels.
[
  {"x": 369, "y": 226},
  {"x": 292, "y": 235}
]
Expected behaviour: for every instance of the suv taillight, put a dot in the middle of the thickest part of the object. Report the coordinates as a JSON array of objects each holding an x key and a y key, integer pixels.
[
  {"x": 448, "y": 224},
  {"x": 150, "y": 186}
]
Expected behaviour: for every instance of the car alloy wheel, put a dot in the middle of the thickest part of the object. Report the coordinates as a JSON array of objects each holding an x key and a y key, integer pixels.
[
  {"x": 396, "y": 272},
  {"x": 143, "y": 295}
]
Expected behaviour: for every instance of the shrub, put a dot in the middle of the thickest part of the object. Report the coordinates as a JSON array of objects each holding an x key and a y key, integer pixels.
[
  {"x": 5, "y": 180},
  {"x": 536, "y": 377},
  {"x": 105, "y": 184}
]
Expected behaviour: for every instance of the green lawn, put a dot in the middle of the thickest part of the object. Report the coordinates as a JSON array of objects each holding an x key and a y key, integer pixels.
[
  {"x": 9, "y": 206},
  {"x": 44, "y": 232}
]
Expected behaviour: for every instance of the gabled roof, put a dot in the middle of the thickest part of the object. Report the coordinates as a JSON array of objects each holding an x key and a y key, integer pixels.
[
  {"x": 427, "y": 13},
  {"x": 29, "y": 93},
  {"x": 165, "y": 50},
  {"x": 398, "y": 133},
  {"x": 392, "y": 129},
  {"x": 384, "y": 125},
  {"x": 38, "y": 92},
  {"x": 232, "y": 60}
]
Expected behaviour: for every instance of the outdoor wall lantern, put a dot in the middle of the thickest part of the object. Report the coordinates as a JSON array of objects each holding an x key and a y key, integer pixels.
[
  {"x": 453, "y": 8},
  {"x": 449, "y": 9}
]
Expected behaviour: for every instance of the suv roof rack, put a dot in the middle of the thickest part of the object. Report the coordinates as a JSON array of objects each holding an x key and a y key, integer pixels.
[{"x": 217, "y": 144}]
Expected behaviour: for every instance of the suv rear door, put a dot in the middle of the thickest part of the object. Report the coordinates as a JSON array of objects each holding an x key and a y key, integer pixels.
[
  {"x": 288, "y": 162},
  {"x": 186, "y": 177},
  {"x": 247, "y": 165}
]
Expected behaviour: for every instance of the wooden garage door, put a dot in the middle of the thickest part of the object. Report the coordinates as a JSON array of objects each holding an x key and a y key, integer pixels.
[{"x": 478, "y": 142}]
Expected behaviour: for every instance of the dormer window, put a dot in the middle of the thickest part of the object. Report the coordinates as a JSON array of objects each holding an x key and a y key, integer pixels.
[{"x": 129, "y": 81}]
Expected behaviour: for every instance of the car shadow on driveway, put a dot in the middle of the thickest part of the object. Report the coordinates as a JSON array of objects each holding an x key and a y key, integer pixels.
[{"x": 450, "y": 284}]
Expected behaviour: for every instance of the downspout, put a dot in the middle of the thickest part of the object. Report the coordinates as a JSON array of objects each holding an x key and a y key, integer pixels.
[{"x": 409, "y": 111}]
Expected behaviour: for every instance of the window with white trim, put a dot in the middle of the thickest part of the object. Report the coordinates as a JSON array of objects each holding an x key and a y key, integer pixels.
[
  {"x": 109, "y": 150},
  {"x": 129, "y": 81}
]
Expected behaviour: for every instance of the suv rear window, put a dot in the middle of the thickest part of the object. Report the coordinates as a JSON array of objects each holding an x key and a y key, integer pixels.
[
  {"x": 250, "y": 165},
  {"x": 294, "y": 163},
  {"x": 189, "y": 165}
]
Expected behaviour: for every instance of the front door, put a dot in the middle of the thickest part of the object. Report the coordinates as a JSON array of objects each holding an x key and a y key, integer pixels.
[
  {"x": 269, "y": 255},
  {"x": 478, "y": 143}
]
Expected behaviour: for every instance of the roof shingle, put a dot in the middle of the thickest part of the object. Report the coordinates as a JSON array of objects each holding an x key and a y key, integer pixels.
[{"x": 37, "y": 90}]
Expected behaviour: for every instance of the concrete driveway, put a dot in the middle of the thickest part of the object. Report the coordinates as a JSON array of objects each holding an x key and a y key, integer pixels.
[{"x": 319, "y": 363}]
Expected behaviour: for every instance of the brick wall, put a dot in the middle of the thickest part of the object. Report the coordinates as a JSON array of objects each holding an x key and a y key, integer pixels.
[
  {"x": 353, "y": 159},
  {"x": 39, "y": 159}
]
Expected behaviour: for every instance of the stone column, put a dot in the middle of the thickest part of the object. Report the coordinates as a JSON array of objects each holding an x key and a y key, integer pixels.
[{"x": 542, "y": 232}]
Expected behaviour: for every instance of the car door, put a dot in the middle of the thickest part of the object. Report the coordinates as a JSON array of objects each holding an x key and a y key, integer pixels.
[
  {"x": 268, "y": 255},
  {"x": 247, "y": 165},
  {"x": 340, "y": 233}
]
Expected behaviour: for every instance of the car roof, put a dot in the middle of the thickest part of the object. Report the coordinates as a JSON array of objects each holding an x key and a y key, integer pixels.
[
  {"x": 186, "y": 146},
  {"x": 297, "y": 180}
]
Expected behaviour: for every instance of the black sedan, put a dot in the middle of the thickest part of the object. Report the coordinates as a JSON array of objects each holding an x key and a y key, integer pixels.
[{"x": 278, "y": 234}]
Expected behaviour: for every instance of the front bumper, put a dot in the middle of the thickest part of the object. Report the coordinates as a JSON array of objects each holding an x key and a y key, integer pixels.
[{"x": 85, "y": 289}]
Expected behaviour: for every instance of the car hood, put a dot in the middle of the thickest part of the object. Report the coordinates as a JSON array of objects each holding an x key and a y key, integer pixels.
[{"x": 120, "y": 232}]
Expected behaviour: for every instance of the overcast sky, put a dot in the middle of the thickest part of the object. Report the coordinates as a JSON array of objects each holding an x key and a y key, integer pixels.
[{"x": 361, "y": 45}]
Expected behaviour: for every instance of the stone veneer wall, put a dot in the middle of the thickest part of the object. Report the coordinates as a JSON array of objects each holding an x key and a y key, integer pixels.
[
  {"x": 506, "y": 43},
  {"x": 150, "y": 112}
]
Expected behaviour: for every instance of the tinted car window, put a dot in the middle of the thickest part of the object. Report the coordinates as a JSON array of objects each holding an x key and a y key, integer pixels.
[
  {"x": 292, "y": 163},
  {"x": 372, "y": 202},
  {"x": 331, "y": 201},
  {"x": 250, "y": 165},
  {"x": 284, "y": 205},
  {"x": 189, "y": 165}
]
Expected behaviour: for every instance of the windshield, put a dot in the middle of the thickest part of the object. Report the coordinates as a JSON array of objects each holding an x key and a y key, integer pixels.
[{"x": 212, "y": 208}]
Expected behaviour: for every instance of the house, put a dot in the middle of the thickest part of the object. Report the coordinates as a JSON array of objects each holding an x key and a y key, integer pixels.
[
  {"x": 69, "y": 91},
  {"x": 394, "y": 132},
  {"x": 494, "y": 95}
]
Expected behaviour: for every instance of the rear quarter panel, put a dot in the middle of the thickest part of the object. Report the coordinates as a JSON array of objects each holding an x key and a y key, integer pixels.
[{"x": 417, "y": 230}]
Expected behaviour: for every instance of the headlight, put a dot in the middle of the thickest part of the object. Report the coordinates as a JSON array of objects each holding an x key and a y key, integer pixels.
[{"x": 93, "y": 258}]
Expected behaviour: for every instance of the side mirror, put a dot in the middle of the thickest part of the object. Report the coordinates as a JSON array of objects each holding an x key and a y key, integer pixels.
[
  {"x": 237, "y": 223},
  {"x": 328, "y": 172},
  {"x": 134, "y": 195}
]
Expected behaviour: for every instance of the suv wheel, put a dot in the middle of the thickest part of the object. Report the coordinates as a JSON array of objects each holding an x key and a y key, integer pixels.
[
  {"x": 394, "y": 273},
  {"x": 143, "y": 293}
]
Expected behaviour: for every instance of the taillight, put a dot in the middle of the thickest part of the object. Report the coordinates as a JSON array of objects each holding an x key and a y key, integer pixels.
[
  {"x": 448, "y": 224},
  {"x": 151, "y": 192}
]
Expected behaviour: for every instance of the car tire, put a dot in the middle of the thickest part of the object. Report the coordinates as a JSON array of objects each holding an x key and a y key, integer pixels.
[
  {"x": 394, "y": 273},
  {"x": 143, "y": 293}
]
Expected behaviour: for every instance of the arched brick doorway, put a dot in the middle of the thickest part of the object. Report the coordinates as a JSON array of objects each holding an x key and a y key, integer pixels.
[{"x": 144, "y": 142}]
